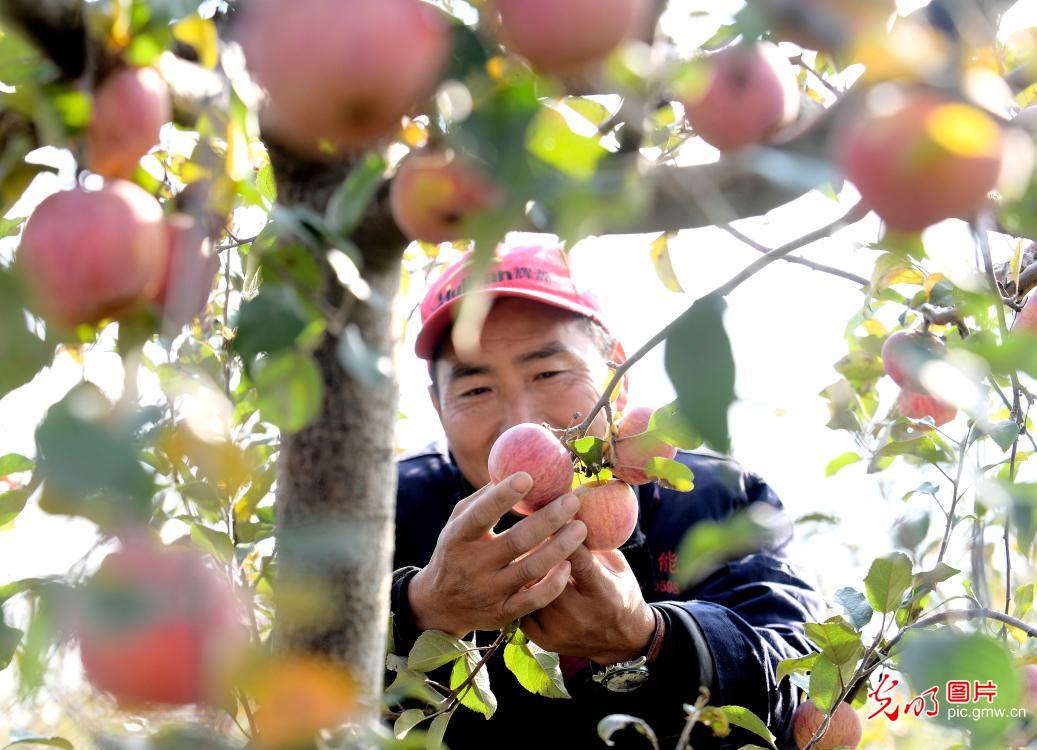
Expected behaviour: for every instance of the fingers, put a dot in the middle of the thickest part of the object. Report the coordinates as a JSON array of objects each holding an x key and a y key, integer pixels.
[
  {"x": 543, "y": 560},
  {"x": 537, "y": 596},
  {"x": 532, "y": 530},
  {"x": 484, "y": 511},
  {"x": 586, "y": 570},
  {"x": 461, "y": 505}
]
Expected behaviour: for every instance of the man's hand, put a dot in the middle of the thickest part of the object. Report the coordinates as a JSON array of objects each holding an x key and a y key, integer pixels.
[
  {"x": 601, "y": 615},
  {"x": 479, "y": 580}
]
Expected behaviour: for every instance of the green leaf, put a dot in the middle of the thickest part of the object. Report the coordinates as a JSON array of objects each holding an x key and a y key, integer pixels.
[
  {"x": 940, "y": 573},
  {"x": 800, "y": 665},
  {"x": 855, "y": 605},
  {"x": 349, "y": 202},
  {"x": 839, "y": 642},
  {"x": 826, "y": 683},
  {"x": 476, "y": 695},
  {"x": 265, "y": 182},
  {"x": 24, "y": 354},
  {"x": 670, "y": 473},
  {"x": 434, "y": 738},
  {"x": 887, "y": 580},
  {"x": 360, "y": 360},
  {"x": 612, "y": 723},
  {"x": 9, "y": 227},
  {"x": 216, "y": 543},
  {"x": 840, "y": 462},
  {"x": 1023, "y": 600},
  {"x": 934, "y": 657},
  {"x": 12, "y": 503},
  {"x": 434, "y": 648},
  {"x": 552, "y": 141},
  {"x": 59, "y": 742},
  {"x": 590, "y": 450},
  {"x": 701, "y": 368},
  {"x": 746, "y": 719},
  {"x": 669, "y": 426},
  {"x": 270, "y": 322},
  {"x": 290, "y": 390},
  {"x": 9, "y": 640},
  {"x": 860, "y": 367},
  {"x": 536, "y": 670},
  {"x": 407, "y": 721},
  {"x": 1003, "y": 433},
  {"x": 709, "y": 543},
  {"x": 1023, "y": 511}
]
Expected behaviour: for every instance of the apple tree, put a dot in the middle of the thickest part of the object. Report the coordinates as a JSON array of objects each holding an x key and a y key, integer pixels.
[{"x": 229, "y": 196}]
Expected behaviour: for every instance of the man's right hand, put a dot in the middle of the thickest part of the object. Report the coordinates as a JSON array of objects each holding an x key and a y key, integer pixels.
[{"x": 479, "y": 580}]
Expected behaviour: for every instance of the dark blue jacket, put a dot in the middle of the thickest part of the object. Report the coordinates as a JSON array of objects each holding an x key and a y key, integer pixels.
[{"x": 727, "y": 632}]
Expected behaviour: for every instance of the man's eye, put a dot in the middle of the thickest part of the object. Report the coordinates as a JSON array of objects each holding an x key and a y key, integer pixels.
[
  {"x": 474, "y": 392},
  {"x": 549, "y": 374}
]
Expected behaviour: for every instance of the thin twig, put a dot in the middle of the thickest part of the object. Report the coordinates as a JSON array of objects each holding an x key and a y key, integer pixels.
[
  {"x": 831, "y": 270},
  {"x": 955, "y": 496}
]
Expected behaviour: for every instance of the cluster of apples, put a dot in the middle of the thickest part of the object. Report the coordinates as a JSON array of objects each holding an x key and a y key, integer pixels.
[
  {"x": 88, "y": 255},
  {"x": 608, "y": 507},
  {"x": 904, "y": 354}
]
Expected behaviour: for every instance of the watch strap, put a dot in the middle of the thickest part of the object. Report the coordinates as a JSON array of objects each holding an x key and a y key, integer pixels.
[{"x": 655, "y": 645}]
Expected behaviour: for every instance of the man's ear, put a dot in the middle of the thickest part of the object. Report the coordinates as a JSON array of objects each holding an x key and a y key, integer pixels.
[{"x": 619, "y": 356}]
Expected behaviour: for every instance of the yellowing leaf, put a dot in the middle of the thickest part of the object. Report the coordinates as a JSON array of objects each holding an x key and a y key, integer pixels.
[
  {"x": 931, "y": 281},
  {"x": 874, "y": 327},
  {"x": 964, "y": 130},
  {"x": 496, "y": 67},
  {"x": 660, "y": 253},
  {"x": 199, "y": 33}
]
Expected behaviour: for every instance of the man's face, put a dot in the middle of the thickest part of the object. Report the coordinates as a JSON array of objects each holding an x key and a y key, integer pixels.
[{"x": 535, "y": 364}]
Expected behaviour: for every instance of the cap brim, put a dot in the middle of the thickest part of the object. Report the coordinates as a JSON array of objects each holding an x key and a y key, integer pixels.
[{"x": 441, "y": 319}]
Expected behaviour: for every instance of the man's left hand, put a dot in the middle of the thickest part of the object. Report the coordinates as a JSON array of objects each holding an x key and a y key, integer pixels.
[{"x": 601, "y": 615}]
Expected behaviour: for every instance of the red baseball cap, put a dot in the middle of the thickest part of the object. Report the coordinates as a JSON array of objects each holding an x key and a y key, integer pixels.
[{"x": 535, "y": 272}]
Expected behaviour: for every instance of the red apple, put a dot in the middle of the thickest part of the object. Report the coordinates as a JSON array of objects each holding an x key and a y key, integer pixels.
[
  {"x": 635, "y": 446},
  {"x": 609, "y": 509},
  {"x": 158, "y": 626},
  {"x": 1026, "y": 320},
  {"x": 563, "y": 36},
  {"x": 89, "y": 255},
  {"x": 434, "y": 192},
  {"x": 749, "y": 92},
  {"x": 342, "y": 72},
  {"x": 921, "y": 405},
  {"x": 918, "y": 157},
  {"x": 130, "y": 108},
  {"x": 534, "y": 449},
  {"x": 844, "y": 730},
  {"x": 191, "y": 265},
  {"x": 905, "y": 352}
]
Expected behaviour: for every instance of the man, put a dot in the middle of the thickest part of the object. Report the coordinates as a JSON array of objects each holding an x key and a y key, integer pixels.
[{"x": 465, "y": 563}]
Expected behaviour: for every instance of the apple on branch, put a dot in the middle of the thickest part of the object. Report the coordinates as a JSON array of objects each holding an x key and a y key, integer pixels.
[
  {"x": 609, "y": 510},
  {"x": 844, "y": 730},
  {"x": 635, "y": 445},
  {"x": 130, "y": 108},
  {"x": 534, "y": 449}
]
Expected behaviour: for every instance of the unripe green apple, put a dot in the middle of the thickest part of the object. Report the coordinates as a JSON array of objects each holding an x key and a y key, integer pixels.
[
  {"x": 534, "y": 449},
  {"x": 844, "y": 730},
  {"x": 341, "y": 73},
  {"x": 89, "y": 255},
  {"x": 563, "y": 36},
  {"x": 434, "y": 192},
  {"x": 158, "y": 626},
  {"x": 749, "y": 92},
  {"x": 904, "y": 353},
  {"x": 918, "y": 157},
  {"x": 130, "y": 108},
  {"x": 609, "y": 509},
  {"x": 635, "y": 446}
]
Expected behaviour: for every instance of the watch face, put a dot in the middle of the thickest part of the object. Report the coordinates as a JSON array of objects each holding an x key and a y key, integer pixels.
[{"x": 625, "y": 680}]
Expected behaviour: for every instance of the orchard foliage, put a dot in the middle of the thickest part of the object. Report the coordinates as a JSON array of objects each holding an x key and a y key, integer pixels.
[{"x": 174, "y": 241}]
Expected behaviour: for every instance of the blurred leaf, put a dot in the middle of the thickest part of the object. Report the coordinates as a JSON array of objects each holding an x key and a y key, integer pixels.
[
  {"x": 887, "y": 580},
  {"x": 660, "y": 254},
  {"x": 290, "y": 390},
  {"x": 359, "y": 360},
  {"x": 552, "y": 141},
  {"x": 933, "y": 657},
  {"x": 1019, "y": 216},
  {"x": 701, "y": 368},
  {"x": 670, "y": 473},
  {"x": 817, "y": 518},
  {"x": 9, "y": 227},
  {"x": 856, "y": 606},
  {"x": 911, "y": 529},
  {"x": 840, "y": 462},
  {"x": 59, "y": 742},
  {"x": 746, "y": 719},
  {"x": 537, "y": 670},
  {"x": 12, "y": 503},
  {"x": 265, "y": 182},
  {"x": 891, "y": 269},
  {"x": 407, "y": 721},
  {"x": 270, "y": 322},
  {"x": 9, "y": 640},
  {"x": 613, "y": 723},
  {"x": 24, "y": 354},
  {"x": 436, "y": 730},
  {"x": 477, "y": 695},
  {"x": 1023, "y": 512},
  {"x": 432, "y": 649},
  {"x": 940, "y": 573},
  {"x": 672, "y": 428},
  {"x": 710, "y": 543},
  {"x": 860, "y": 366},
  {"x": 216, "y": 543},
  {"x": 349, "y": 202},
  {"x": 1004, "y": 433},
  {"x": 1023, "y": 600},
  {"x": 199, "y": 33}
]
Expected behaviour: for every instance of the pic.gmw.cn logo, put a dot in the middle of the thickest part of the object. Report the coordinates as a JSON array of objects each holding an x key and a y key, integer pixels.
[{"x": 968, "y": 699}]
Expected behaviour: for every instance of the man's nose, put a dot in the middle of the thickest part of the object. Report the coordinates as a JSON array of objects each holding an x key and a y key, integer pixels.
[{"x": 521, "y": 409}]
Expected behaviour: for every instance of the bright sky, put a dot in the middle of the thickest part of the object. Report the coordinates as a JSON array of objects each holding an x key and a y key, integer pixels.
[{"x": 786, "y": 326}]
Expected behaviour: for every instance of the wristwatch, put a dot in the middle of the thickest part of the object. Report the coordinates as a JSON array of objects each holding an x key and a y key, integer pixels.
[{"x": 625, "y": 676}]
